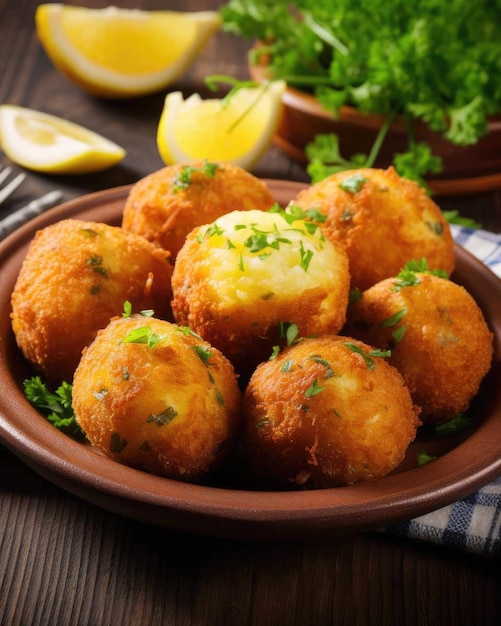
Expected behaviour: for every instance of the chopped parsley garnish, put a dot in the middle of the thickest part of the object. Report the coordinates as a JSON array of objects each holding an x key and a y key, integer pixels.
[
  {"x": 424, "y": 458},
  {"x": 163, "y": 418},
  {"x": 288, "y": 331},
  {"x": 453, "y": 217},
  {"x": 286, "y": 365},
  {"x": 355, "y": 295},
  {"x": 89, "y": 232},
  {"x": 398, "y": 333},
  {"x": 117, "y": 443},
  {"x": 456, "y": 424},
  {"x": 203, "y": 353},
  {"x": 143, "y": 334},
  {"x": 314, "y": 389},
  {"x": 183, "y": 179},
  {"x": 56, "y": 406},
  {"x": 329, "y": 372},
  {"x": 275, "y": 351},
  {"x": 127, "y": 312},
  {"x": 306, "y": 256},
  {"x": 407, "y": 277},
  {"x": 186, "y": 330},
  {"x": 371, "y": 364},
  {"x": 353, "y": 183},
  {"x": 394, "y": 319}
]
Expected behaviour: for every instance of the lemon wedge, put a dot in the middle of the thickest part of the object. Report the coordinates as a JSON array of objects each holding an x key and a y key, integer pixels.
[
  {"x": 46, "y": 143},
  {"x": 238, "y": 130},
  {"x": 120, "y": 53}
]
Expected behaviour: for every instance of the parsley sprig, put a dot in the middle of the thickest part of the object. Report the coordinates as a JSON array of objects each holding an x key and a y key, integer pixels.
[
  {"x": 56, "y": 406},
  {"x": 437, "y": 63}
]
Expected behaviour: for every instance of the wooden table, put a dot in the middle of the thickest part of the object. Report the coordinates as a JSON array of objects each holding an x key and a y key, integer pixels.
[{"x": 64, "y": 561}]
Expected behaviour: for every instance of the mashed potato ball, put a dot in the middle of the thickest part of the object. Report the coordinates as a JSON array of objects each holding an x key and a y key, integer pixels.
[
  {"x": 166, "y": 205},
  {"x": 327, "y": 412},
  {"x": 154, "y": 396},
  {"x": 437, "y": 334},
  {"x": 74, "y": 278},
  {"x": 240, "y": 281},
  {"x": 383, "y": 220}
]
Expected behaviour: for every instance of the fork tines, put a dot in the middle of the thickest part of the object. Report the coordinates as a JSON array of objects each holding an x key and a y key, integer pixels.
[{"x": 11, "y": 186}]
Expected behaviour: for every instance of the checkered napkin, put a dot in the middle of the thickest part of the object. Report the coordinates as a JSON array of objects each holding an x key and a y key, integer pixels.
[{"x": 472, "y": 524}]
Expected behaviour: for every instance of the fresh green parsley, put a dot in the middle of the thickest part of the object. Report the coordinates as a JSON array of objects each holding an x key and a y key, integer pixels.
[
  {"x": 127, "y": 312},
  {"x": 314, "y": 389},
  {"x": 453, "y": 217},
  {"x": 369, "y": 361},
  {"x": 143, "y": 335},
  {"x": 394, "y": 58},
  {"x": 456, "y": 424},
  {"x": 424, "y": 458},
  {"x": 408, "y": 276},
  {"x": 353, "y": 183},
  {"x": 56, "y": 406},
  {"x": 184, "y": 179},
  {"x": 288, "y": 331},
  {"x": 394, "y": 319},
  {"x": 203, "y": 353},
  {"x": 163, "y": 418}
]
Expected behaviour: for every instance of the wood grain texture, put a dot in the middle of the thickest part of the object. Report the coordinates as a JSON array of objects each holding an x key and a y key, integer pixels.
[{"x": 66, "y": 562}]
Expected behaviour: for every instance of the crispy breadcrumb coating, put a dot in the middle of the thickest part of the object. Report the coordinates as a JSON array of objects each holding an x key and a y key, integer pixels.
[
  {"x": 154, "y": 396},
  {"x": 239, "y": 280},
  {"x": 327, "y": 412},
  {"x": 74, "y": 278},
  {"x": 383, "y": 220},
  {"x": 166, "y": 205},
  {"x": 439, "y": 339}
]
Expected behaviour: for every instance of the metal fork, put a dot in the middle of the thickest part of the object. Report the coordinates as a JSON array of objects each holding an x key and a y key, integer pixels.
[
  {"x": 12, "y": 185},
  {"x": 32, "y": 209}
]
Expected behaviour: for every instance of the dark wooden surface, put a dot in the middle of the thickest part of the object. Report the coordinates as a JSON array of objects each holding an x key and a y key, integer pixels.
[{"x": 65, "y": 562}]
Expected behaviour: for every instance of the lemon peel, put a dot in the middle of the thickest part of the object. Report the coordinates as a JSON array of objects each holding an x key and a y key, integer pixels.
[
  {"x": 122, "y": 53},
  {"x": 47, "y": 143},
  {"x": 238, "y": 130}
]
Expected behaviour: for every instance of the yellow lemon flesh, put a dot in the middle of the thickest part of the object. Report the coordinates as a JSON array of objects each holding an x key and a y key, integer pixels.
[
  {"x": 238, "y": 130},
  {"x": 46, "y": 143},
  {"x": 120, "y": 53}
]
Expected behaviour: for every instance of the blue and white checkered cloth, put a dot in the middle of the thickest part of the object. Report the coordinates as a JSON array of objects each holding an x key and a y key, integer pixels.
[{"x": 472, "y": 524}]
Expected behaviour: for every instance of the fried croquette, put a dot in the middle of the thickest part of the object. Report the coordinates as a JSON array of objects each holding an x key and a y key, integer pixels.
[
  {"x": 166, "y": 205},
  {"x": 74, "y": 278},
  {"x": 326, "y": 412},
  {"x": 383, "y": 220},
  {"x": 152, "y": 395},
  {"x": 243, "y": 279},
  {"x": 439, "y": 339}
]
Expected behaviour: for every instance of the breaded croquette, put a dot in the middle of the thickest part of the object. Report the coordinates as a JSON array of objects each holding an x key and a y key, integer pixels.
[
  {"x": 383, "y": 220},
  {"x": 437, "y": 334},
  {"x": 74, "y": 278},
  {"x": 154, "y": 396},
  {"x": 239, "y": 281},
  {"x": 166, "y": 205},
  {"x": 326, "y": 412}
]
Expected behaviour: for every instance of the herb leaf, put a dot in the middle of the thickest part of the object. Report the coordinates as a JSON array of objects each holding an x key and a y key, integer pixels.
[{"x": 56, "y": 406}]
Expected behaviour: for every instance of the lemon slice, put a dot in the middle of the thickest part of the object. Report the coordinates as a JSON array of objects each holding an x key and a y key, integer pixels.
[
  {"x": 46, "y": 143},
  {"x": 238, "y": 130},
  {"x": 119, "y": 53}
]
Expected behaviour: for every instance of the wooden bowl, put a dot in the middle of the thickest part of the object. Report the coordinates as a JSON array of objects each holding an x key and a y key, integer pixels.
[
  {"x": 468, "y": 169},
  {"x": 465, "y": 463}
]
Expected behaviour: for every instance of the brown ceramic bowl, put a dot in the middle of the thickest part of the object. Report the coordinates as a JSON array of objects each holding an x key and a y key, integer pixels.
[
  {"x": 468, "y": 169},
  {"x": 463, "y": 465}
]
